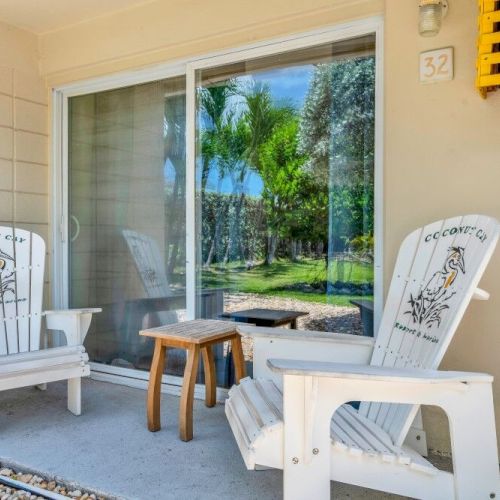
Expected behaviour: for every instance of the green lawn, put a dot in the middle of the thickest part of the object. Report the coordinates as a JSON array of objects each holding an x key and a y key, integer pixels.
[{"x": 273, "y": 279}]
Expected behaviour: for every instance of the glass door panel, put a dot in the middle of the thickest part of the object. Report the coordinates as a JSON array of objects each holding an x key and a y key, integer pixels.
[
  {"x": 285, "y": 188},
  {"x": 127, "y": 216}
]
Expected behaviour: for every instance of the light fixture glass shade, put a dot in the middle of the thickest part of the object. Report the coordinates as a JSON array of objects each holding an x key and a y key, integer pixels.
[{"x": 430, "y": 17}]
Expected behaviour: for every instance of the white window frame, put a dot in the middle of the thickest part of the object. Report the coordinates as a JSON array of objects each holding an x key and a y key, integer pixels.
[{"x": 188, "y": 67}]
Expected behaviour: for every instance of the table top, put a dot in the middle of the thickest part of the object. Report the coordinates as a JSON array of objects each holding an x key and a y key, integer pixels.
[
  {"x": 266, "y": 314},
  {"x": 196, "y": 331}
]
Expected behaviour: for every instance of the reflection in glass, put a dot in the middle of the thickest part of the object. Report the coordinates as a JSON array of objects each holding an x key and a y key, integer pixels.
[
  {"x": 285, "y": 184},
  {"x": 127, "y": 200}
]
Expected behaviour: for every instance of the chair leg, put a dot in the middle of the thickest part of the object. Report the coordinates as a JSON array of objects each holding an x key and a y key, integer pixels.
[
  {"x": 474, "y": 444},
  {"x": 75, "y": 395},
  {"x": 306, "y": 466}
]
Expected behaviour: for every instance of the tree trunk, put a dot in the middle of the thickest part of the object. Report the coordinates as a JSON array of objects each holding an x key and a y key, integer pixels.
[
  {"x": 211, "y": 253},
  {"x": 272, "y": 243},
  {"x": 173, "y": 260},
  {"x": 293, "y": 250},
  {"x": 319, "y": 249},
  {"x": 174, "y": 227},
  {"x": 219, "y": 218},
  {"x": 226, "y": 255},
  {"x": 217, "y": 230},
  {"x": 239, "y": 206}
]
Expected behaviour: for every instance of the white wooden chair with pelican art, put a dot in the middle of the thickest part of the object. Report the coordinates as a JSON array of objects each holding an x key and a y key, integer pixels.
[
  {"x": 295, "y": 414},
  {"x": 23, "y": 361}
]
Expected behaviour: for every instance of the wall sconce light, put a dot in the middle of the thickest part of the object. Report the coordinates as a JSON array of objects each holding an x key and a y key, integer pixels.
[{"x": 431, "y": 14}]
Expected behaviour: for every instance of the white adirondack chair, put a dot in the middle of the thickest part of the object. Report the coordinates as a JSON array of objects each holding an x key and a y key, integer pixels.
[
  {"x": 22, "y": 361},
  {"x": 149, "y": 264},
  {"x": 283, "y": 418},
  {"x": 151, "y": 269}
]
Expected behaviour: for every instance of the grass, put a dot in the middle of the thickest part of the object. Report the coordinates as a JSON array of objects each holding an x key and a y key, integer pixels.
[{"x": 275, "y": 278}]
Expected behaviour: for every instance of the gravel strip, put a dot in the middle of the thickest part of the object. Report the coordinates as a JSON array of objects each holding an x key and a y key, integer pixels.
[{"x": 11, "y": 493}]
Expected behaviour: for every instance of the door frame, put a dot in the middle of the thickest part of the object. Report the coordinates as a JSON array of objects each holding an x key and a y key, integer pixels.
[{"x": 188, "y": 67}]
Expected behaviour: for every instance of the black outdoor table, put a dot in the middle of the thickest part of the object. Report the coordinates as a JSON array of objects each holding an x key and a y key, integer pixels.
[{"x": 266, "y": 317}]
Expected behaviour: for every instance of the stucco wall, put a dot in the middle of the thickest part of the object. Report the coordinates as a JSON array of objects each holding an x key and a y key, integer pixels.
[
  {"x": 24, "y": 180},
  {"x": 166, "y": 30},
  {"x": 441, "y": 141}
]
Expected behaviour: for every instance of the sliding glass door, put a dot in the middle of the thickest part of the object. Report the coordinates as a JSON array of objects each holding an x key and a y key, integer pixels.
[
  {"x": 285, "y": 187},
  {"x": 265, "y": 215},
  {"x": 127, "y": 177}
]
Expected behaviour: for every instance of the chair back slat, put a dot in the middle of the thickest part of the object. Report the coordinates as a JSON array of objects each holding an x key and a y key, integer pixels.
[
  {"x": 3, "y": 328},
  {"x": 8, "y": 290},
  {"x": 22, "y": 259},
  {"x": 149, "y": 264},
  {"x": 37, "y": 274},
  {"x": 437, "y": 270},
  {"x": 23, "y": 289}
]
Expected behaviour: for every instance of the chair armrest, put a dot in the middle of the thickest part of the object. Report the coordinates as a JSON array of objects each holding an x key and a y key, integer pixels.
[
  {"x": 73, "y": 322},
  {"x": 480, "y": 294},
  {"x": 373, "y": 373}
]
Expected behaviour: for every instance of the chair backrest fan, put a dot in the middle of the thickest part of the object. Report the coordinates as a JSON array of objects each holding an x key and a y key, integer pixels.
[
  {"x": 148, "y": 262},
  {"x": 22, "y": 260},
  {"x": 437, "y": 271}
]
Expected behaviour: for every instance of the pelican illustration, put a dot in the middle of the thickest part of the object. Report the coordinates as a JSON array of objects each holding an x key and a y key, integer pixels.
[
  {"x": 4, "y": 257},
  {"x": 430, "y": 302}
]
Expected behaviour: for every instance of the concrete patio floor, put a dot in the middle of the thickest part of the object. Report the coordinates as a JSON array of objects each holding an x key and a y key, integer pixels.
[{"x": 108, "y": 447}]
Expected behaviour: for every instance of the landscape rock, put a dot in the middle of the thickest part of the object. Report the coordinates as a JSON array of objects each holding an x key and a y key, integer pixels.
[{"x": 9, "y": 493}]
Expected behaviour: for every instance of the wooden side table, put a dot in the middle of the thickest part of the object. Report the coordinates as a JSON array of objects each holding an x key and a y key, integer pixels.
[{"x": 194, "y": 336}]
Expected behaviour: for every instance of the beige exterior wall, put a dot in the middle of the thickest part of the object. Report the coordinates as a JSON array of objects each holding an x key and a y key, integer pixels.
[
  {"x": 442, "y": 158},
  {"x": 166, "y": 30},
  {"x": 441, "y": 141},
  {"x": 24, "y": 179}
]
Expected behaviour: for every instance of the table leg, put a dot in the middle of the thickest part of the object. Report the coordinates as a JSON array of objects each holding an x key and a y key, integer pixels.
[
  {"x": 187, "y": 394},
  {"x": 154, "y": 387},
  {"x": 293, "y": 324},
  {"x": 210, "y": 382},
  {"x": 238, "y": 358}
]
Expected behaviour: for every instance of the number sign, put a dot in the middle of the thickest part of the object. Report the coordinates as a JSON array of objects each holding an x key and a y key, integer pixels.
[{"x": 436, "y": 65}]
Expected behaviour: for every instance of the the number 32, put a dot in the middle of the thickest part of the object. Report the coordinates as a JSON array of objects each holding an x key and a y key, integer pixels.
[{"x": 436, "y": 67}]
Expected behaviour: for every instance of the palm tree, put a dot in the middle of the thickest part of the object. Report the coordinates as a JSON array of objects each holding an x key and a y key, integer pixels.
[
  {"x": 263, "y": 117},
  {"x": 213, "y": 103},
  {"x": 216, "y": 119}
]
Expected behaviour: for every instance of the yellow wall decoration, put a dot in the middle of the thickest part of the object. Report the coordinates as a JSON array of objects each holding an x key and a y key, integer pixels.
[{"x": 488, "y": 59}]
